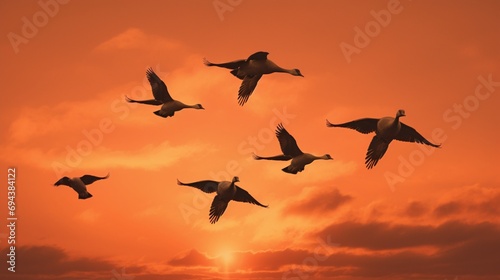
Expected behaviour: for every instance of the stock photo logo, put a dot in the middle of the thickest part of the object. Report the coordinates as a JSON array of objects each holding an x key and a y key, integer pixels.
[
  {"x": 372, "y": 29},
  {"x": 32, "y": 25},
  {"x": 453, "y": 117},
  {"x": 223, "y": 6}
]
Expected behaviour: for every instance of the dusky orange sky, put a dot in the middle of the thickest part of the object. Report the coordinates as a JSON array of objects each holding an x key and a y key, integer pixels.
[{"x": 421, "y": 213}]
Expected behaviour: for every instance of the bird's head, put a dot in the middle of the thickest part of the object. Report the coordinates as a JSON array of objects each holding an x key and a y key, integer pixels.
[
  {"x": 198, "y": 106},
  {"x": 400, "y": 113},
  {"x": 327, "y": 156},
  {"x": 236, "y": 179},
  {"x": 296, "y": 72},
  {"x": 63, "y": 181}
]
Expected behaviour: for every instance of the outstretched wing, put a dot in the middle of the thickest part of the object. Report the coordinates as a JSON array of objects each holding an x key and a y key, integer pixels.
[
  {"x": 247, "y": 87},
  {"x": 149, "y": 101},
  {"x": 159, "y": 88},
  {"x": 207, "y": 186},
  {"x": 258, "y": 56},
  {"x": 217, "y": 209},
  {"x": 243, "y": 196},
  {"x": 229, "y": 65},
  {"x": 287, "y": 142},
  {"x": 89, "y": 179},
  {"x": 365, "y": 125},
  {"x": 409, "y": 134}
]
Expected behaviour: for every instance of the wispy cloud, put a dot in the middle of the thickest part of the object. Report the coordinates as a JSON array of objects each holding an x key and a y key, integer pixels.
[
  {"x": 135, "y": 38},
  {"x": 148, "y": 157},
  {"x": 317, "y": 201}
]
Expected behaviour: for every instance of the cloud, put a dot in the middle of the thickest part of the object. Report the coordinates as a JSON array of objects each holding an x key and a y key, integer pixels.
[
  {"x": 447, "y": 209},
  {"x": 48, "y": 262},
  {"x": 317, "y": 202},
  {"x": 254, "y": 261},
  {"x": 415, "y": 209},
  {"x": 136, "y": 39},
  {"x": 149, "y": 157},
  {"x": 472, "y": 201},
  {"x": 192, "y": 258},
  {"x": 386, "y": 236},
  {"x": 478, "y": 257}
]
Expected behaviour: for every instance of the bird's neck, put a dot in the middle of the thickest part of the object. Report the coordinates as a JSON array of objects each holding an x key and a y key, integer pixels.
[
  {"x": 191, "y": 106},
  {"x": 277, "y": 68},
  {"x": 396, "y": 121},
  {"x": 283, "y": 70},
  {"x": 318, "y": 157}
]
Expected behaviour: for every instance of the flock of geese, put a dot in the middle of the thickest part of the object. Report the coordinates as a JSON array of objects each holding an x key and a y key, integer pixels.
[{"x": 250, "y": 71}]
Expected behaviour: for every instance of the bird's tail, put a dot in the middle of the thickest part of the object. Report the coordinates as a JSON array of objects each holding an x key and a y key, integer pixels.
[
  {"x": 290, "y": 170},
  {"x": 84, "y": 195},
  {"x": 278, "y": 157},
  {"x": 160, "y": 114}
]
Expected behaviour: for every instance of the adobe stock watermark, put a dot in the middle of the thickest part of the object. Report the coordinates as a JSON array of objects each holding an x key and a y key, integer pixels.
[
  {"x": 453, "y": 116},
  {"x": 310, "y": 263},
  {"x": 31, "y": 26},
  {"x": 224, "y": 6},
  {"x": 201, "y": 200},
  {"x": 363, "y": 37},
  {"x": 121, "y": 276},
  {"x": 92, "y": 138}
]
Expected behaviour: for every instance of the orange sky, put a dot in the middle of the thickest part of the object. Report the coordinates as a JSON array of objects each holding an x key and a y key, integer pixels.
[{"x": 66, "y": 68}]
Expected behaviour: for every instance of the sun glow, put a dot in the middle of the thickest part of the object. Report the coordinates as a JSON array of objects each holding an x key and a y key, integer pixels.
[{"x": 226, "y": 259}]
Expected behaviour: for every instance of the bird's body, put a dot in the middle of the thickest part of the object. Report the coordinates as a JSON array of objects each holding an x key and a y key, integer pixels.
[
  {"x": 251, "y": 70},
  {"x": 226, "y": 191},
  {"x": 291, "y": 151},
  {"x": 386, "y": 130},
  {"x": 162, "y": 97},
  {"x": 79, "y": 184}
]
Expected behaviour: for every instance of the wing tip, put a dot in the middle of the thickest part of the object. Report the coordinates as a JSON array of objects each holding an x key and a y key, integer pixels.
[
  {"x": 329, "y": 124},
  {"x": 206, "y": 62}
]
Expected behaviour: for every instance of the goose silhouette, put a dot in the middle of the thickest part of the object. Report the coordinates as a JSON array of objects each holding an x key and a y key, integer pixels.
[
  {"x": 162, "y": 97},
  {"x": 79, "y": 184},
  {"x": 226, "y": 191},
  {"x": 292, "y": 152},
  {"x": 250, "y": 71},
  {"x": 386, "y": 129}
]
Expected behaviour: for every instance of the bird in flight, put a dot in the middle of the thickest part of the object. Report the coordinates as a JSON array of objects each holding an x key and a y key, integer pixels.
[
  {"x": 250, "y": 70},
  {"x": 292, "y": 152},
  {"x": 162, "y": 97},
  {"x": 386, "y": 129},
  {"x": 226, "y": 191},
  {"x": 79, "y": 184}
]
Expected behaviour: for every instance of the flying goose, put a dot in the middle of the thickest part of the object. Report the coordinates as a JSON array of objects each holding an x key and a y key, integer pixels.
[
  {"x": 79, "y": 184},
  {"x": 162, "y": 97},
  {"x": 250, "y": 71},
  {"x": 291, "y": 151},
  {"x": 386, "y": 129},
  {"x": 226, "y": 191}
]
